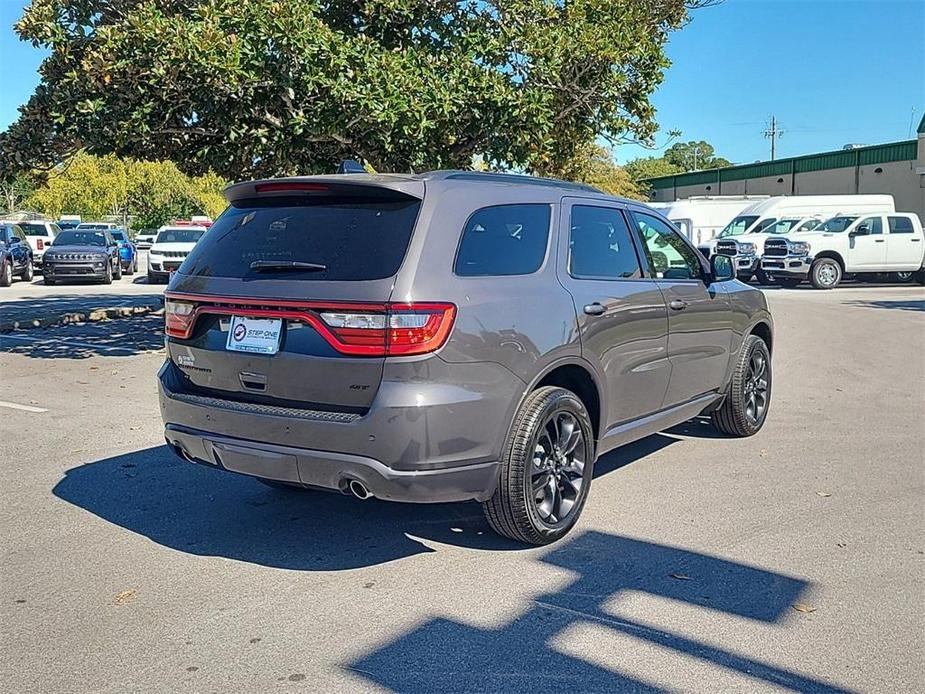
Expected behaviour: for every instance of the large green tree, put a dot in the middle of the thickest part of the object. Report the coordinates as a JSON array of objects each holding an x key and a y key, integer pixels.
[
  {"x": 595, "y": 165},
  {"x": 148, "y": 193},
  {"x": 267, "y": 87},
  {"x": 694, "y": 156}
]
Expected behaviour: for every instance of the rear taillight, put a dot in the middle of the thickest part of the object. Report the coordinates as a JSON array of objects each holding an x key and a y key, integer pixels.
[
  {"x": 372, "y": 330},
  {"x": 179, "y": 317},
  {"x": 40, "y": 245},
  {"x": 397, "y": 330}
]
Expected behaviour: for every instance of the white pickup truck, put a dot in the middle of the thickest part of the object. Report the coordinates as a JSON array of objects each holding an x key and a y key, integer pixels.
[{"x": 848, "y": 245}]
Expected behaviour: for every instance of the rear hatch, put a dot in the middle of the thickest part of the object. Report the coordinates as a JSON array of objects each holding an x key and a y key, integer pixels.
[
  {"x": 317, "y": 262},
  {"x": 37, "y": 235}
]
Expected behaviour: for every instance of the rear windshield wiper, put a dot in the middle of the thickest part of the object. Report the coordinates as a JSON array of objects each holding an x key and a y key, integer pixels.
[{"x": 286, "y": 265}]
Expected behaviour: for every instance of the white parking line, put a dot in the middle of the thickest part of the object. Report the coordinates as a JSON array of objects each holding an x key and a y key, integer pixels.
[
  {"x": 24, "y": 408},
  {"x": 70, "y": 343}
]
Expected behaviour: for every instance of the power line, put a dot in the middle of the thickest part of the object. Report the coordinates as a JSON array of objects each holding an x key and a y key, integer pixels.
[{"x": 772, "y": 133}]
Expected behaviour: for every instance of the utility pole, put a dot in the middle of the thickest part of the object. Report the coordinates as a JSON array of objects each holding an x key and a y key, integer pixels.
[{"x": 773, "y": 132}]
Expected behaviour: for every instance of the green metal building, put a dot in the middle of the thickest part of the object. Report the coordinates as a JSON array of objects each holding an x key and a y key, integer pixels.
[{"x": 897, "y": 168}]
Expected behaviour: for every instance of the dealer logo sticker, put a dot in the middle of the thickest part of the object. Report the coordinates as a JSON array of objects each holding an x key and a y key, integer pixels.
[{"x": 240, "y": 330}]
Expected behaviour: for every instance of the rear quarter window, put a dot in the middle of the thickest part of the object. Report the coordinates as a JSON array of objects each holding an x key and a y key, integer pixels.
[
  {"x": 353, "y": 239},
  {"x": 901, "y": 225},
  {"x": 504, "y": 240}
]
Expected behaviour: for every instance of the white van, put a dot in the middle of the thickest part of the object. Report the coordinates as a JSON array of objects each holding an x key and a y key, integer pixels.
[
  {"x": 744, "y": 237},
  {"x": 700, "y": 218}
]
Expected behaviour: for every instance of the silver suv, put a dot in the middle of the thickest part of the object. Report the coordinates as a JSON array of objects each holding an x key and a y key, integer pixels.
[{"x": 451, "y": 336}]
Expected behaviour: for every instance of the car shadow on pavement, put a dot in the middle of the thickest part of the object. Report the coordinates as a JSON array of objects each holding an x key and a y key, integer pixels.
[
  {"x": 120, "y": 337},
  {"x": 526, "y": 653},
  {"x": 61, "y": 302},
  {"x": 210, "y": 512},
  {"x": 900, "y": 305}
]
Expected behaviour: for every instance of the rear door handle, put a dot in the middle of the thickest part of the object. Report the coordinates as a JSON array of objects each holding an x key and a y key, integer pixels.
[
  {"x": 594, "y": 309},
  {"x": 677, "y": 304},
  {"x": 878, "y": 240}
]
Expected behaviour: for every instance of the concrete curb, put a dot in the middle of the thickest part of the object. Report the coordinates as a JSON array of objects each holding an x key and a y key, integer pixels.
[{"x": 89, "y": 316}]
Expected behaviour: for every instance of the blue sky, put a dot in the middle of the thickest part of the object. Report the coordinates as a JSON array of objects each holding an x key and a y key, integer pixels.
[{"x": 832, "y": 71}]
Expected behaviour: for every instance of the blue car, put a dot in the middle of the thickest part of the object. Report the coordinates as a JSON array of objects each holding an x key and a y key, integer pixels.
[{"x": 128, "y": 254}]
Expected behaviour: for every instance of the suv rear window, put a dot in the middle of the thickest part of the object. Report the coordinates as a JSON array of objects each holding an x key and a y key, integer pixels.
[
  {"x": 350, "y": 239},
  {"x": 34, "y": 229},
  {"x": 504, "y": 240}
]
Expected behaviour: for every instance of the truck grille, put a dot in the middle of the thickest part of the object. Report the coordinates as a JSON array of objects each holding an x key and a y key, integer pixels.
[
  {"x": 175, "y": 254},
  {"x": 775, "y": 247},
  {"x": 727, "y": 248}
]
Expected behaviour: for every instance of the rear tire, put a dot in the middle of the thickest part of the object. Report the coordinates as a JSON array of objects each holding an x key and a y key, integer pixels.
[
  {"x": 745, "y": 408},
  {"x": 546, "y": 469},
  {"x": 825, "y": 273},
  {"x": 130, "y": 270},
  {"x": 904, "y": 277}
]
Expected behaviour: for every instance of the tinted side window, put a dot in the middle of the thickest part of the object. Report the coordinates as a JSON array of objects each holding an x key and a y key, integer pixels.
[
  {"x": 600, "y": 246},
  {"x": 668, "y": 255},
  {"x": 874, "y": 225},
  {"x": 901, "y": 225},
  {"x": 504, "y": 240}
]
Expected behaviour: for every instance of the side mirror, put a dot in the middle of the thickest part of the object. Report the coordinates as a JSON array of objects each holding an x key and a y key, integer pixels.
[
  {"x": 721, "y": 268},
  {"x": 862, "y": 230},
  {"x": 15, "y": 239}
]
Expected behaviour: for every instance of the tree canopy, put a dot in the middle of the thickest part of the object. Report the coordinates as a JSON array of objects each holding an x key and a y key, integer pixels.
[
  {"x": 151, "y": 193},
  {"x": 596, "y": 166},
  {"x": 694, "y": 156},
  {"x": 270, "y": 87}
]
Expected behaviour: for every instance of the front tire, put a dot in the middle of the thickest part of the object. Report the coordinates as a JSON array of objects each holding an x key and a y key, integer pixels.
[
  {"x": 825, "y": 273},
  {"x": 745, "y": 408},
  {"x": 788, "y": 282},
  {"x": 546, "y": 469},
  {"x": 764, "y": 279},
  {"x": 130, "y": 270},
  {"x": 28, "y": 272},
  {"x": 904, "y": 277},
  {"x": 6, "y": 274},
  {"x": 107, "y": 279},
  {"x": 117, "y": 270}
]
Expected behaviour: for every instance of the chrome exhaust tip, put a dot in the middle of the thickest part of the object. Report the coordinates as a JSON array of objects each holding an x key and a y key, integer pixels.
[{"x": 359, "y": 490}]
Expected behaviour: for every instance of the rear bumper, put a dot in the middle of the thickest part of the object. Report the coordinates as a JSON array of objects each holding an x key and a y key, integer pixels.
[
  {"x": 787, "y": 266},
  {"x": 333, "y": 471},
  {"x": 420, "y": 441}
]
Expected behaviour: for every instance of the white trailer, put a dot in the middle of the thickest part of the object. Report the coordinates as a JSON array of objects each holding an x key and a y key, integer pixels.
[{"x": 701, "y": 218}]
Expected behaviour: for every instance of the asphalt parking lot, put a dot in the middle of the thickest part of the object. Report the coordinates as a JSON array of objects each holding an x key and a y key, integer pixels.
[{"x": 791, "y": 561}]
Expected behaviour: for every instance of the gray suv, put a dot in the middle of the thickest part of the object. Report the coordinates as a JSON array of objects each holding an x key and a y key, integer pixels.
[{"x": 451, "y": 336}]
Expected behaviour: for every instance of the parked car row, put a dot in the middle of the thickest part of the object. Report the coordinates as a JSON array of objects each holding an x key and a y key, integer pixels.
[
  {"x": 821, "y": 238},
  {"x": 99, "y": 251}
]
